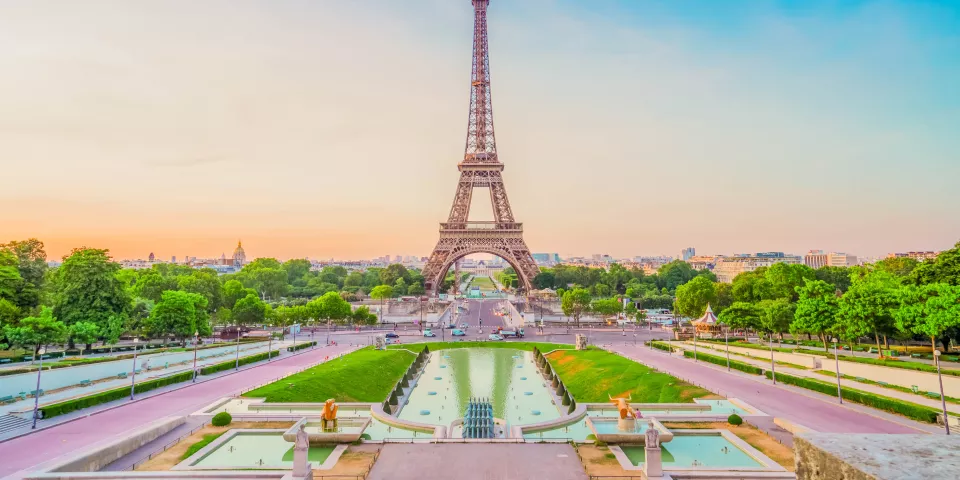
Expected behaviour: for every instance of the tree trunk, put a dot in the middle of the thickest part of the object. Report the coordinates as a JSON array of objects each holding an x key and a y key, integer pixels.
[
  {"x": 876, "y": 336},
  {"x": 823, "y": 337},
  {"x": 886, "y": 344},
  {"x": 933, "y": 342}
]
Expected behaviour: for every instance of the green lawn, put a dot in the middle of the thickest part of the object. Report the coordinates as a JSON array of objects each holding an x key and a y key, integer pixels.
[
  {"x": 366, "y": 375},
  {"x": 526, "y": 346},
  {"x": 202, "y": 443},
  {"x": 590, "y": 375},
  {"x": 484, "y": 283}
]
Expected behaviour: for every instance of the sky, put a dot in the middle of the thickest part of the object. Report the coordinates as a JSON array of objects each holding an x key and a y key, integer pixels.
[{"x": 332, "y": 129}]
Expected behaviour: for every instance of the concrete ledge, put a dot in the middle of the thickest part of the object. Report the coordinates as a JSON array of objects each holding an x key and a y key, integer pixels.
[
  {"x": 97, "y": 457},
  {"x": 790, "y": 426},
  {"x": 577, "y": 415},
  {"x": 196, "y": 475},
  {"x": 376, "y": 411}
]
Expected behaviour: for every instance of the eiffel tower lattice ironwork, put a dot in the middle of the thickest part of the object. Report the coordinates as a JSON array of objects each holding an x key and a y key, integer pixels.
[{"x": 480, "y": 167}]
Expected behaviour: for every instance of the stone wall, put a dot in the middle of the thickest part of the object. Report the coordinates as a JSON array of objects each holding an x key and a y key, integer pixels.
[{"x": 835, "y": 456}]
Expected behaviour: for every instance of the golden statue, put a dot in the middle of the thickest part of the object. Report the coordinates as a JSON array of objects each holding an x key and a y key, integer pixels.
[
  {"x": 329, "y": 416},
  {"x": 623, "y": 404}
]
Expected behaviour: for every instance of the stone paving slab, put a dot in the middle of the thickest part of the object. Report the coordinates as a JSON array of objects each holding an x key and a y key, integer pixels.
[{"x": 491, "y": 461}]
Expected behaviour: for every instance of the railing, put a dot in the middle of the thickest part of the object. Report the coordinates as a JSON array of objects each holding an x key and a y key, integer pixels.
[{"x": 481, "y": 226}]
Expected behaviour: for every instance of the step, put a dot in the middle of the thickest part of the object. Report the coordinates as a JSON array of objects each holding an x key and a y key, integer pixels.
[{"x": 10, "y": 422}]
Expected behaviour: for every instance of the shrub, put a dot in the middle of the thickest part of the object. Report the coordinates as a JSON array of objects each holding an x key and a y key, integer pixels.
[
  {"x": 110, "y": 395},
  {"x": 735, "y": 419},
  {"x": 743, "y": 367},
  {"x": 219, "y": 367},
  {"x": 221, "y": 419},
  {"x": 661, "y": 346},
  {"x": 907, "y": 409},
  {"x": 566, "y": 398},
  {"x": 301, "y": 346},
  {"x": 573, "y": 405}
]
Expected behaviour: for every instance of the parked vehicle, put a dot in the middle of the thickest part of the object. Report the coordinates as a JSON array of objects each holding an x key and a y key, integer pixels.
[
  {"x": 464, "y": 326},
  {"x": 392, "y": 335},
  {"x": 458, "y": 333},
  {"x": 494, "y": 336},
  {"x": 518, "y": 333},
  {"x": 429, "y": 333}
]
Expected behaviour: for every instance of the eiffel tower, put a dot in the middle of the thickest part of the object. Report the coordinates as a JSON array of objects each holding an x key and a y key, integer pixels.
[{"x": 480, "y": 167}]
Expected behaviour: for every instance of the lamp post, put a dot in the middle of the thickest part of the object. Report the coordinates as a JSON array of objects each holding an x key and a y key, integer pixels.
[
  {"x": 726, "y": 340},
  {"x": 36, "y": 393},
  {"x": 943, "y": 402},
  {"x": 695, "y": 343},
  {"x": 237, "y": 365},
  {"x": 196, "y": 340},
  {"x": 773, "y": 363},
  {"x": 133, "y": 376},
  {"x": 270, "y": 346},
  {"x": 836, "y": 360}
]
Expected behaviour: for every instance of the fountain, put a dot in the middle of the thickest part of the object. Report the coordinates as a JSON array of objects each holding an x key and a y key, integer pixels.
[
  {"x": 328, "y": 419},
  {"x": 628, "y": 416}
]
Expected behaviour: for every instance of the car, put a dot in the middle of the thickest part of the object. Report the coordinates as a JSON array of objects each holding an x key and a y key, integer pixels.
[
  {"x": 494, "y": 336},
  {"x": 464, "y": 326},
  {"x": 429, "y": 333},
  {"x": 458, "y": 333},
  {"x": 393, "y": 341},
  {"x": 392, "y": 335}
]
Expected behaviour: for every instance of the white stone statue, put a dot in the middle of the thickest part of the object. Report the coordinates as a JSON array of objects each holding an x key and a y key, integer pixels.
[
  {"x": 301, "y": 466},
  {"x": 653, "y": 435}
]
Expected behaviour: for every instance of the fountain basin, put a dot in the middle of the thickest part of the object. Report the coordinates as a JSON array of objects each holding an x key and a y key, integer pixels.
[
  {"x": 609, "y": 430},
  {"x": 348, "y": 430}
]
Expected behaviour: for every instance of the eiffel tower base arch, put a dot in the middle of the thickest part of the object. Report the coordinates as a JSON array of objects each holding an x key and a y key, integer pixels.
[{"x": 448, "y": 250}]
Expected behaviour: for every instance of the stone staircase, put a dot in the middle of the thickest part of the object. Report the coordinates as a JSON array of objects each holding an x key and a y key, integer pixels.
[{"x": 11, "y": 422}]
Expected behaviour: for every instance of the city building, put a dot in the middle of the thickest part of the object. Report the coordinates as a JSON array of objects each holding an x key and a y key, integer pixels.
[
  {"x": 688, "y": 252},
  {"x": 815, "y": 259},
  {"x": 727, "y": 268},
  {"x": 918, "y": 256},
  {"x": 546, "y": 259},
  {"x": 702, "y": 262},
  {"x": 151, "y": 258},
  {"x": 173, "y": 259},
  {"x": 239, "y": 256},
  {"x": 841, "y": 260}
]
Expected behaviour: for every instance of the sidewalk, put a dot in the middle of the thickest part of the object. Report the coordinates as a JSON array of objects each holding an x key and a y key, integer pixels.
[{"x": 717, "y": 350}]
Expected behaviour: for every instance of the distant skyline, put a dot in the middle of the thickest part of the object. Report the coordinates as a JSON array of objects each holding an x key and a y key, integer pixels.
[{"x": 333, "y": 129}]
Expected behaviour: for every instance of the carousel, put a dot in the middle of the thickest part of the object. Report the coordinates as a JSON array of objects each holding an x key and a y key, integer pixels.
[{"x": 708, "y": 324}]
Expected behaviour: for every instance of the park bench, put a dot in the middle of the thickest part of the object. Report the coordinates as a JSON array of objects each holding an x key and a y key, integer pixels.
[
  {"x": 933, "y": 394},
  {"x": 883, "y": 384},
  {"x": 5, "y": 360},
  {"x": 861, "y": 379},
  {"x": 137, "y": 371},
  {"x": 27, "y": 358},
  {"x": 916, "y": 355},
  {"x": 84, "y": 383},
  {"x": 122, "y": 375},
  {"x": 37, "y": 393},
  {"x": 8, "y": 398},
  {"x": 872, "y": 350}
]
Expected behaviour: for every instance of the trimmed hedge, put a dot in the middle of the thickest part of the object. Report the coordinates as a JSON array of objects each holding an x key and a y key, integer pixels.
[
  {"x": 221, "y": 419},
  {"x": 734, "y": 419},
  {"x": 68, "y": 406},
  {"x": 722, "y": 361},
  {"x": 907, "y": 409},
  {"x": 573, "y": 405},
  {"x": 661, "y": 346},
  {"x": 219, "y": 367},
  {"x": 301, "y": 346}
]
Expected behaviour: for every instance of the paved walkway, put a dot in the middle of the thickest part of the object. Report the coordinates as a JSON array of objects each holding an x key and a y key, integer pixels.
[
  {"x": 478, "y": 461},
  {"x": 804, "y": 407},
  {"x": 866, "y": 387},
  {"x": 51, "y": 445}
]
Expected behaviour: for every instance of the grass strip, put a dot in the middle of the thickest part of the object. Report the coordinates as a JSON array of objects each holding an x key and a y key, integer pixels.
[
  {"x": 207, "y": 438},
  {"x": 722, "y": 361}
]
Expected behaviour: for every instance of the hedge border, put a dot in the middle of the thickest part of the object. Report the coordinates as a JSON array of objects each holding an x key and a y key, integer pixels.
[
  {"x": 49, "y": 411},
  {"x": 722, "y": 361},
  {"x": 219, "y": 367},
  {"x": 907, "y": 409},
  {"x": 301, "y": 346}
]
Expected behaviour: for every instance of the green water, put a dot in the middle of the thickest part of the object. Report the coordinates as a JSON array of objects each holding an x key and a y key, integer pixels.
[
  {"x": 498, "y": 374},
  {"x": 252, "y": 450},
  {"x": 700, "y": 451},
  {"x": 577, "y": 432}
]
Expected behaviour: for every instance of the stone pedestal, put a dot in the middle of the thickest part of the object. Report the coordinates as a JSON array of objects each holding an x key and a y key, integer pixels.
[
  {"x": 581, "y": 342},
  {"x": 627, "y": 424},
  {"x": 652, "y": 465}
]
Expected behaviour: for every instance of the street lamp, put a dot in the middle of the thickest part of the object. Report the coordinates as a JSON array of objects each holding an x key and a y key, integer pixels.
[
  {"x": 836, "y": 359},
  {"x": 237, "y": 366},
  {"x": 726, "y": 340},
  {"x": 943, "y": 402},
  {"x": 695, "y": 343},
  {"x": 773, "y": 363},
  {"x": 196, "y": 340},
  {"x": 36, "y": 393},
  {"x": 133, "y": 377}
]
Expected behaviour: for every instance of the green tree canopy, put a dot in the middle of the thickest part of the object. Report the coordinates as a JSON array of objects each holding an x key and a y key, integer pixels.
[
  {"x": 233, "y": 291},
  {"x": 575, "y": 303},
  {"x": 179, "y": 314},
  {"x": 694, "y": 296},
  {"x": 84, "y": 333},
  {"x": 776, "y": 315},
  {"x": 929, "y": 310},
  {"x": 839, "y": 277},
  {"x": 204, "y": 282},
  {"x": 944, "y": 269},
  {"x": 88, "y": 289},
  {"x": 250, "y": 310},
  {"x": 36, "y": 332},
  {"x": 741, "y": 315},
  {"x": 606, "y": 307},
  {"x": 817, "y": 309},
  {"x": 867, "y": 307},
  {"x": 31, "y": 266},
  {"x": 152, "y": 285}
]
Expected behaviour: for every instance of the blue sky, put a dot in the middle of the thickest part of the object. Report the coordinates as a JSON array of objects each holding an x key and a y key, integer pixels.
[{"x": 627, "y": 127}]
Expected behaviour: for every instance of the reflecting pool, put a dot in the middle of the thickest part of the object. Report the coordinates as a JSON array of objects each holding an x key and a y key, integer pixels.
[
  {"x": 698, "y": 451},
  {"x": 253, "y": 450}
]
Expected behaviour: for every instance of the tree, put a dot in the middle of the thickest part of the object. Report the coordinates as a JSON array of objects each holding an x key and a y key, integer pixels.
[
  {"x": 362, "y": 316},
  {"x": 416, "y": 289},
  {"x": 897, "y": 266},
  {"x": 544, "y": 279},
  {"x": 84, "y": 333},
  {"x": 152, "y": 285},
  {"x": 233, "y": 291},
  {"x": 206, "y": 283},
  {"x": 724, "y": 297},
  {"x": 606, "y": 307},
  {"x": 839, "y": 277},
  {"x": 296, "y": 269},
  {"x": 867, "y": 307},
  {"x": 776, "y": 315},
  {"x": 36, "y": 332},
  {"x": 400, "y": 287},
  {"x": 785, "y": 278},
  {"x": 266, "y": 276},
  {"x": 817, "y": 309},
  {"x": 929, "y": 310},
  {"x": 88, "y": 289},
  {"x": 180, "y": 315},
  {"x": 741, "y": 316},
  {"x": 944, "y": 269},
  {"x": 694, "y": 296},
  {"x": 331, "y": 307},
  {"x": 752, "y": 286},
  {"x": 392, "y": 273},
  {"x": 10, "y": 279},
  {"x": 354, "y": 279},
  {"x": 674, "y": 274},
  {"x": 32, "y": 267},
  {"x": 380, "y": 292},
  {"x": 575, "y": 303},
  {"x": 9, "y": 313},
  {"x": 249, "y": 310}
]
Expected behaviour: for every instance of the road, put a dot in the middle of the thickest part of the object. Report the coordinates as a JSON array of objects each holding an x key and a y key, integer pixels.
[
  {"x": 53, "y": 444},
  {"x": 809, "y": 409}
]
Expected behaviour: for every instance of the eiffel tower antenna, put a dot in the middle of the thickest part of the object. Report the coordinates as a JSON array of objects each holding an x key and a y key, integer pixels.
[{"x": 480, "y": 167}]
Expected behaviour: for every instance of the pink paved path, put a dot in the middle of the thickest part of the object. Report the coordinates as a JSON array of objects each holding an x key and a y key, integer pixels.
[
  {"x": 814, "y": 413},
  {"x": 26, "y": 453}
]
